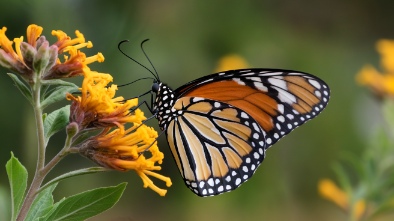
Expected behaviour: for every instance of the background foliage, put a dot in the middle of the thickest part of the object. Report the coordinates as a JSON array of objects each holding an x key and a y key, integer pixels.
[{"x": 330, "y": 39}]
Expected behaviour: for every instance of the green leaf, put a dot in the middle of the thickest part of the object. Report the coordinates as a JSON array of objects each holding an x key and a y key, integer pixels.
[
  {"x": 17, "y": 176},
  {"x": 343, "y": 178},
  {"x": 55, "y": 90},
  {"x": 75, "y": 173},
  {"x": 384, "y": 206},
  {"x": 355, "y": 163},
  {"x": 57, "y": 82},
  {"x": 22, "y": 87},
  {"x": 87, "y": 204},
  {"x": 57, "y": 94},
  {"x": 42, "y": 204},
  {"x": 56, "y": 121},
  {"x": 51, "y": 211},
  {"x": 44, "y": 90}
]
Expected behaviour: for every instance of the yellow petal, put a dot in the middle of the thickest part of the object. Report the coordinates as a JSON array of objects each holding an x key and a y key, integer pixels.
[{"x": 330, "y": 191}]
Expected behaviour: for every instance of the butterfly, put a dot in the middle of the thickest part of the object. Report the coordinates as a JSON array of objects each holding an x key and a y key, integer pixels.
[{"x": 220, "y": 126}]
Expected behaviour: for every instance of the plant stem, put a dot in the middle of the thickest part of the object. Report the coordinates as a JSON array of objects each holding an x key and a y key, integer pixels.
[
  {"x": 38, "y": 176},
  {"x": 41, "y": 169}
]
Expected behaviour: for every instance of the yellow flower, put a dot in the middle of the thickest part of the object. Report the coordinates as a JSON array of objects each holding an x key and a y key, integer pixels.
[
  {"x": 125, "y": 151},
  {"x": 231, "y": 62},
  {"x": 9, "y": 58},
  {"x": 38, "y": 56},
  {"x": 381, "y": 83},
  {"x": 115, "y": 147},
  {"x": 76, "y": 62},
  {"x": 330, "y": 191},
  {"x": 98, "y": 107}
]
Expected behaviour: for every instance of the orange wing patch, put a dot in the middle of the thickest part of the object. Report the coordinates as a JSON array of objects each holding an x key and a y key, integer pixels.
[
  {"x": 304, "y": 91},
  {"x": 254, "y": 102}
]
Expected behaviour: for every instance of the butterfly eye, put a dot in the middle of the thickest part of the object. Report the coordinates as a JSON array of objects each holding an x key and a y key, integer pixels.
[{"x": 155, "y": 87}]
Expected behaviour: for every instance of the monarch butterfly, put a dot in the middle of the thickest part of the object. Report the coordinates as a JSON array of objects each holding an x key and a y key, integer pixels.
[{"x": 219, "y": 126}]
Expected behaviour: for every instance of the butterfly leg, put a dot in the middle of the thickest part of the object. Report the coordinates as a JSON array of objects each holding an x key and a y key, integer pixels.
[{"x": 139, "y": 105}]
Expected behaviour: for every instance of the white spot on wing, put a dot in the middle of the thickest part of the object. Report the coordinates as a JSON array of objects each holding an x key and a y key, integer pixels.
[
  {"x": 278, "y": 82},
  {"x": 314, "y": 83},
  {"x": 239, "y": 81},
  {"x": 256, "y": 127},
  {"x": 197, "y": 99},
  {"x": 210, "y": 182},
  {"x": 238, "y": 181},
  {"x": 260, "y": 86},
  {"x": 286, "y": 97},
  {"x": 244, "y": 115},
  {"x": 281, "y": 108},
  {"x": 257, "y": 79}
]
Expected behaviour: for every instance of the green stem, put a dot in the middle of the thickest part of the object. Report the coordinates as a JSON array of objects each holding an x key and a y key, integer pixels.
[
  {"x": 38, "y": 176},
  {"x": 41, "y": 170}
]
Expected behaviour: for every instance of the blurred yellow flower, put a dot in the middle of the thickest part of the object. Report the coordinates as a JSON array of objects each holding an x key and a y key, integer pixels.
[
  {"x": 231, "y": 62},
  {"x": 381, "y": 83},
  {"x": 330, "y": 191}
]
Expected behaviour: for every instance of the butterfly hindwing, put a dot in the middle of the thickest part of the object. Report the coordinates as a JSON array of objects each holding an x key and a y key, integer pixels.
[{"x": 216, "y": 146}]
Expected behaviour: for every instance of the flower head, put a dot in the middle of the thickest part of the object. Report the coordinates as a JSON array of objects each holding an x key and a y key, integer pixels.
[
  {"x": 9, "y": 58},
  {"x": 381, "y": 83},
  {"x": 97, "y": 105},
  {"x": 330, "y": 191},
  {"x": 36, "y": 55},
  {"x": 115, "y": 147},
  {"x": 126, "y": 151}
]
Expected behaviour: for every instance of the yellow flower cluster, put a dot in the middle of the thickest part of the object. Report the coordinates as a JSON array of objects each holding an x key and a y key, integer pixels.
[
  {"x": 381, "y": 83},
  {"x": 37, "y": 56},
  {"x": 116, "y": 147}
]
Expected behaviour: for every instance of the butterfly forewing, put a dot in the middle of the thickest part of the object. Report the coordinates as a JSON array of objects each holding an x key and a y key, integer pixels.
[
  {"x": 278, "y": 100},
  {"x": 217, "y": 147}
]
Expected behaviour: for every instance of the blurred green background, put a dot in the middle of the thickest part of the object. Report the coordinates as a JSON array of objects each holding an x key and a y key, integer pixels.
[{"x": 332, "y": 39}]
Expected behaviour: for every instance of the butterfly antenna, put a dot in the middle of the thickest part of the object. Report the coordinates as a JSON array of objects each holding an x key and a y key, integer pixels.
[
  {"x": 136, "y": 81},
  {"x": 120, "y": 43},
  {"x": 150, "y": 62}
]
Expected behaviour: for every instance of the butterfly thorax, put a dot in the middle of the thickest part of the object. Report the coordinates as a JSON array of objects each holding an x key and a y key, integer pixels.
[{"x": 163, "y": 105}]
